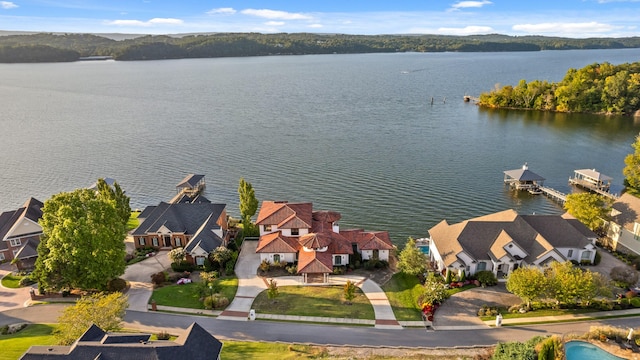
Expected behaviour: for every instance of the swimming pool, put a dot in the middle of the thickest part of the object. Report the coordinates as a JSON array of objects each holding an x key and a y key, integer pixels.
[
  {"x": 424, "y": 249},
  {"x": 580, "y": 350}
]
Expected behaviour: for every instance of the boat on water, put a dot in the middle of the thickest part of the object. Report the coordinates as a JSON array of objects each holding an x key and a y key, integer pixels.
[{"x": 535, "y": 191}]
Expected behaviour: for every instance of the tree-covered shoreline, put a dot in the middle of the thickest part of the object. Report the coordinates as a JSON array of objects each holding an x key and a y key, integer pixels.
[
  {"x": 597, "y": 88},
  {"x": 70, "y": 47}
]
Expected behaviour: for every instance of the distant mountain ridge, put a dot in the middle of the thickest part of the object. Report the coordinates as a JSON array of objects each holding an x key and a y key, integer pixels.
[{"x": 18, "y": 46}]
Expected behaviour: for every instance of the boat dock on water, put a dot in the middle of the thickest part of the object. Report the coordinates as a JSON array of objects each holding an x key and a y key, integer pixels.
[{"x": 587, "y": 179}]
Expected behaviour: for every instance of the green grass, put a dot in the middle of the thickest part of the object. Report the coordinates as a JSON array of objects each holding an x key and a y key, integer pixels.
[
  {"x": 13, "y": 346},
  {"x": 324, "y": 301},
  {"x": 460, "y": 289},
  {"x": 11, "y": 281},
  {"x": 188, "y": 295},
  {"x": 261, "y": 350},
  {"x": 403, "y": 291},
  {"x": 133, "y": 221}
]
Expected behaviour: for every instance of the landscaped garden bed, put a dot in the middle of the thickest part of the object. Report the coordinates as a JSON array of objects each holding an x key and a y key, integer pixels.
[{"x": 192, "y": 295}]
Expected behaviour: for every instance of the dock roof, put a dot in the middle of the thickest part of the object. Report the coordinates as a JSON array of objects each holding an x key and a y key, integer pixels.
[
  {"x": 523, "y": 174},
  {"x": 190, "y": 181},
  {"x": 593, "y": 174}
]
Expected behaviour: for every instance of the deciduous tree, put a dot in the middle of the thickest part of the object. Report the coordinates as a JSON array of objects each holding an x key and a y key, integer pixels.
[
  {"x": 117, "y": 196},
  {"x": 632, "y": 169},
  {"x": 349, "y": 291},
  {"x": 82, "y": 245},
  {"x": 104, "y": 310},
  {"x": 527, "y": 283},
  {"x": 434, "y": 292},
  {"x": 411, "y": 260},
  {"x": 588, "y": 208}
]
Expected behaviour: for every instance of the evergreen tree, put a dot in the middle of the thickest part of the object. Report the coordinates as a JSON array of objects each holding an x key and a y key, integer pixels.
[{"x": 411, "y": 260}]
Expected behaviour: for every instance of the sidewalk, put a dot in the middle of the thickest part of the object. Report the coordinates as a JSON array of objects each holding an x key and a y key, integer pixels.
[{"x": 567, "y": 318}]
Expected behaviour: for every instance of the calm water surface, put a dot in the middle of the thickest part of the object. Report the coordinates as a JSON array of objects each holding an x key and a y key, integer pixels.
[{"x": 351, "y": 133}]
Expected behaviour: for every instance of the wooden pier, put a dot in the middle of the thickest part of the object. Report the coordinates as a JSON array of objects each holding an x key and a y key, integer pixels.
[{"x": 553, "y": 194}]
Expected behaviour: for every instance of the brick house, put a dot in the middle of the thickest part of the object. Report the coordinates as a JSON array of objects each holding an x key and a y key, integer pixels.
[{"x": 199, "y": 228}]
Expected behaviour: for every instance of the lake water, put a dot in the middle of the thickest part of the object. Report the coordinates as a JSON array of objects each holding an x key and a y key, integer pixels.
[{"x": 352, "y": 133}]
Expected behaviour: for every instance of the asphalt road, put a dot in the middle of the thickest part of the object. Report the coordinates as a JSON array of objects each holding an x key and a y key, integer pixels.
[{"x": 321, "y": 334}]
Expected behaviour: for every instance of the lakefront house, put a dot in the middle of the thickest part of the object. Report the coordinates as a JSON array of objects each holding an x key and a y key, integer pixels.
[
  {"x": 623, "y": 231},
  {"x": 20, "y": 234},
  {"x": 294, "y": 232},
  {"x": 503, "y": 241},
  {"x": 198, "y": 227}
]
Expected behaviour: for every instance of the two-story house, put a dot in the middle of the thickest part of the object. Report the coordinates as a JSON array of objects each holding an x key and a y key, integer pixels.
[
  {"x": 624, "y": 228},
  {"x": 503, "y": 241},
  {"x": 294, "y": 232},
  {"x": 20, "y": 234}
]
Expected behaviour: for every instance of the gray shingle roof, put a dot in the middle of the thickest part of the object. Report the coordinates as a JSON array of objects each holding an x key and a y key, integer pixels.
[
  {"x": 190, "y": 181},
  {"x": 185, "y": 217},
  {"x": 194, "y": 344}
]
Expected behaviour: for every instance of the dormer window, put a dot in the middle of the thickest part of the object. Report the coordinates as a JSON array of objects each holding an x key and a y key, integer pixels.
[
  {"x": 267, "y": 228},
  {"x": 295, "y": 232}
]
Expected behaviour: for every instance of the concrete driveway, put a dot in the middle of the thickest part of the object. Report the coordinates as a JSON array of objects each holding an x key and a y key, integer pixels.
[
  {"x": 12, "y": 298},
  {"x": 460, "y": 311},
  {"x": 139, "y": 277}
]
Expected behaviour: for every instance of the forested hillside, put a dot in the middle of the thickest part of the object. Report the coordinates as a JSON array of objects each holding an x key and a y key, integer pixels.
[
  {"x": 596, "y": 88},
  {"x": 28, "y": 48}
]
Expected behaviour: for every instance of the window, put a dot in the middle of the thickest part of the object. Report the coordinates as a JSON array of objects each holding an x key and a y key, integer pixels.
[
  {"x": 338, "y": 260},
  {"x": 570, "y": 253},
  {"x": 276, "y": 258},
  {"x": 142, "y": 241},
  {"x": 200, "y": 260},
  {"x": 15, "y": 252},
  {"x": 295, "y": 232},
  {"x": 15, "y": 242},
  {"x": 586, "y": 255},
  {"x": 178, "y": 242},
  {"x": 1, "y": 256},
  {"x": 481, "y": 266},
  {"x": 267, "y": 228},
  {"x": 154, "y": 241}
]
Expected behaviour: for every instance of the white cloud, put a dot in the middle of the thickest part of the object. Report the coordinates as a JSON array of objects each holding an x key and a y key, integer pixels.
[
  {"x": 8, "y": 5},
  {"x": 315, "y": 26},
  {"x": 275, "y": 14},
  {"x": 222, "y": 11},
  {"x": 274, "y": 23},
  {"x": 565, "y": 28},
  {"x": 467, "y": 30},
  {"x": 470, "y": 4},
  {"x": 152, "y": 22}
]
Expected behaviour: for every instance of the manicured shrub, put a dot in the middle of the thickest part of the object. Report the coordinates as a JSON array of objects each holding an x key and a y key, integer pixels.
[
  {"x": 159, "y": 278},
  {"x": 27, "y": 281},
  {"x": 597, "y": 258},
  {"x": 229, "y": 267},
  {"x": 635, "y": 302},
  {"x": 292, "y": 269},
  {"x": 216, "y": 301},
  {"x": 486, "y": 278},
  {"x": 116, "y": 285},
  {"x": 163, "y": 335},
  {"x": 182, "y": 266},
  {"x": 265, "y": 265}
]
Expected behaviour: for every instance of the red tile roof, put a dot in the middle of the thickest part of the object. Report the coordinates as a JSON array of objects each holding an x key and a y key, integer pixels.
[
  {"x": 277, "y": 243},
  {"x": 375, "y": 241},
  {"x": 315, "y": 240},
  {"x": 285, "y": 215},
  {"x": 314, "y": 262}
]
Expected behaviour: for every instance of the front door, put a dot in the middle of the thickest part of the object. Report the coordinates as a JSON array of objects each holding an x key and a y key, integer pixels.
[{"x": 167, "y": 241}]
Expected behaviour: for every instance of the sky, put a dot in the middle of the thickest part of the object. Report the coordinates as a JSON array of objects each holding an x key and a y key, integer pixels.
[{"x": 565, "y": 18}]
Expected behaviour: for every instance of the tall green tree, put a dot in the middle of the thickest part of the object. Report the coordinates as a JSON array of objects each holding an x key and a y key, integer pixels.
[
  {"x": 117, "y": 196},
  {"x": 248, "y": 207},
  {"x": 589, "y": 208},
  {"x": 82, "y": 245},
  {"x": 527, "y": 283},
  {"x": 433, "y": 291},
  {"x": 632, "y": 169},
  {"x": 567, "y": 282},
  {"x": 411, "y": 260},
  {"x": 104, "y": 310}
]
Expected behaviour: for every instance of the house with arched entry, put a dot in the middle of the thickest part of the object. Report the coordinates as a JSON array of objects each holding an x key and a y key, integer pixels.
[
  {"x": 294, "y": 232},
  {"x": 503, "y": 241}
]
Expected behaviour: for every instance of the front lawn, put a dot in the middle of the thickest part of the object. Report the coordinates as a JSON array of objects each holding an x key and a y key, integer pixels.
[
  {"x": 14, "y": 345},
  {"x": 188, "y": 295},
  {"x": 403, "y": 291},
  {"x": 324, "y": 301},
  {"x": 11, "y": 281}
]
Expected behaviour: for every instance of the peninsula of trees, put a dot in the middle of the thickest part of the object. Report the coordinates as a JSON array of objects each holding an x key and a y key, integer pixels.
[
  {"x": 596, "y": 88},
  {"x": 47, "y": 47}
]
